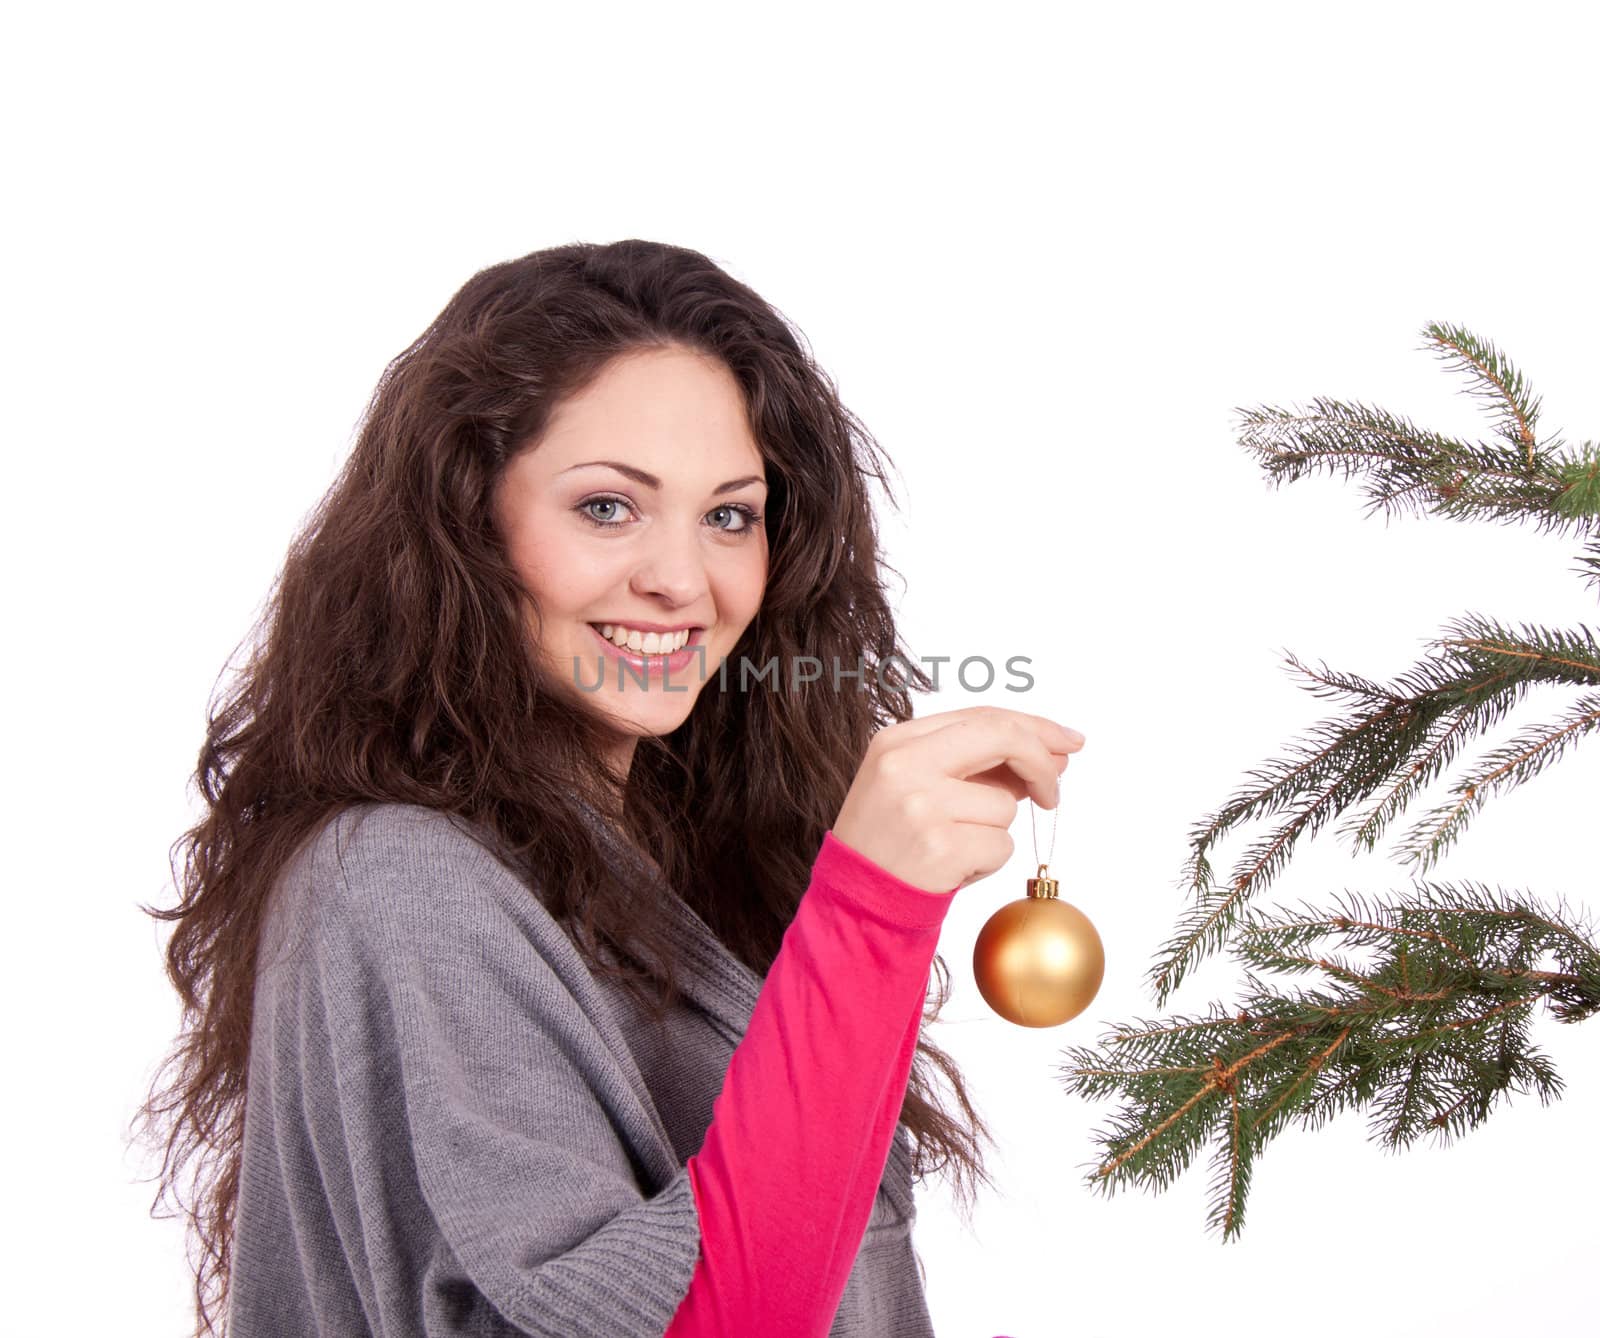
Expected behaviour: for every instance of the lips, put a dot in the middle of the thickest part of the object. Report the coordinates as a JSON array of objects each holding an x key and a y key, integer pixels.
[
  {"x": 694, "y": 639},
  {"x": 678, "y": 659}
]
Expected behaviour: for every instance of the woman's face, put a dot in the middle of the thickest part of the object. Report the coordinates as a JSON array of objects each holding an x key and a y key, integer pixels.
[{"x": 633, "y": 512}]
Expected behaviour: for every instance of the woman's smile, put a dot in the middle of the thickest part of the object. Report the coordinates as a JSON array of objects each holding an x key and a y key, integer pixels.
[{"x": 650, "y": 658}]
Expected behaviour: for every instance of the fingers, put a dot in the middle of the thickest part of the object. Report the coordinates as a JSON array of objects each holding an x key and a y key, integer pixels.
[
  {"x": 1058, "y": 738},
  {"x": 973, "y": 745},
  {"x": 994, "y": 848},
  {"x": 987, "y": 805},
  {"x": 1000, "y": 778}
]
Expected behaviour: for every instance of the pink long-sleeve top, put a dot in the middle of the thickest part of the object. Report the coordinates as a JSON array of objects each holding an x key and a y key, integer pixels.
[{"x": 811, "y": 1099}]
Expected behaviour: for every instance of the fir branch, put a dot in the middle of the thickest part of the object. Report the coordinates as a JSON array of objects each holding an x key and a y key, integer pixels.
[
  {"x": 1503, "y": 769},
  {"x": 1430, "y": 1030},
  {"x": 1496, "y": 383},
  {"x": 1407, "y": 731},
  {"x": 1344, "y": 763},
  {"x": 1428, "y": 1036},
  {"x": 1478, "y": 646},
  {"x": 1590, "y": 564},
  {"x": 1411, "y": 468},
  {"x": 1408, "y": 464},
  {"x": 1532, "y": 653},
  {"x": 1580, "y": 479},
  {"x": 1230, "y": 1172},
  {"x": 1445, "y": 737}
]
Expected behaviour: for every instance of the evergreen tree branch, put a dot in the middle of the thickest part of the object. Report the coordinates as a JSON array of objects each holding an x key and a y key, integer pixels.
[
  {"x": 1532, "y": 653},
  {"x": 1590, "y": 564},
  {"x": 1503, "y": 769},
  {"x": 1497, "y": 383},
  {"x": 1345, "y": 762},
  {"x": 1428, "y": 1035},
  {"x": 1410, "y": 468},
  {"x": 1444, "y": 738},
  {"x": 1580, "y": 478},
  {"x": 1400, "y": 737},
  {"x": 1204, "y": 928},
  {"x": 1415, "y": 470},
  {"x": 1517, "y": 478},
  {"x": 1535, "y": 654}
]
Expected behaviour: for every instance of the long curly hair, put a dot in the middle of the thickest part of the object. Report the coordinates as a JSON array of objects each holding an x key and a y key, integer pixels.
[{"x": 391, "y": 663}]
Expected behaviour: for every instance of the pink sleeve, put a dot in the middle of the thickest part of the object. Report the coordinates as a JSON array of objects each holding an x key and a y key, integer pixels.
[{"x": 785, "y": 1180}]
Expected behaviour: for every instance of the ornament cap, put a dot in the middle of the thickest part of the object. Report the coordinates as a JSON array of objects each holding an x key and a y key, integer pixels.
[{"x": 1042, "y": 885}]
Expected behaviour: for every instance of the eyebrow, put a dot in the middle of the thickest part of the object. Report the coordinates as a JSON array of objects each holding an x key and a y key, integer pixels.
[{"x": 651, "y": 481}]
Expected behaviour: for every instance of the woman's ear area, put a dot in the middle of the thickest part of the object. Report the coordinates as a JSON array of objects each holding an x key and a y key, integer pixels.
[{"x": 508, "y": 493}]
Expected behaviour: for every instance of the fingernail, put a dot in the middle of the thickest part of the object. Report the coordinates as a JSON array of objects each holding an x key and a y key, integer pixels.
[{"x": 1073, "y": 734}]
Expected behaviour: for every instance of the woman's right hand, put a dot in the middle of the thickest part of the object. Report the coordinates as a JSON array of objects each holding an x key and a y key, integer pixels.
[{"x": 934, "y": 798}]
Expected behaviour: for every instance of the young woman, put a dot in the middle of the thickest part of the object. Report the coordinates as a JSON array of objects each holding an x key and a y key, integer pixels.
[{"x": 552, "y": 965}]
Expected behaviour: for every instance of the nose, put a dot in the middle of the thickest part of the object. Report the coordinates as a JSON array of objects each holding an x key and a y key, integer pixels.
[{"x": 672, "y": 568}]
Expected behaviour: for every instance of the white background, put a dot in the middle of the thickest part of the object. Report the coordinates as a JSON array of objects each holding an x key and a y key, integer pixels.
[{"x": 1044, "y": 251}]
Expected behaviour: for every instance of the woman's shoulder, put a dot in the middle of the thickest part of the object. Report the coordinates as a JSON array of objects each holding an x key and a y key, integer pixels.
[
  {"x": 402, "y": 912},
  {"x": 380, "y": 867},
  {"x": 387, "y": 833},
  {"x": 391, "y": 846}
]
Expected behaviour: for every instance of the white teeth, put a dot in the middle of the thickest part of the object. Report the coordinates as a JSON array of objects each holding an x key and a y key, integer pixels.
[{"x": 645, "y": 643}]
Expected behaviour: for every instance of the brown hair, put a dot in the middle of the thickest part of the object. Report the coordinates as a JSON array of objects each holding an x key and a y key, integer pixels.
[{"x": 392, "y": 663}]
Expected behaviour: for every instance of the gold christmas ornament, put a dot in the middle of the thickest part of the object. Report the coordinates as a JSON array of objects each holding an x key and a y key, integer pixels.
[{"x": 1038, "y": 960}]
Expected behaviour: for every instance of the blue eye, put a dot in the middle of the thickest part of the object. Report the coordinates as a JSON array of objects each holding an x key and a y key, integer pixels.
[
  {"x": 600, "y": 501},
  {"x": 752, "y": 518}
]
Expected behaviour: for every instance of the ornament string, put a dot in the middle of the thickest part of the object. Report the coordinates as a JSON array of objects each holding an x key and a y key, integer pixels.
[{"x": 1033, "y": 814}]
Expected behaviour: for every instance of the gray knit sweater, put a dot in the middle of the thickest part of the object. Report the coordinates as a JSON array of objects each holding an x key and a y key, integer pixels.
[{"x": 454, "y": 1128}]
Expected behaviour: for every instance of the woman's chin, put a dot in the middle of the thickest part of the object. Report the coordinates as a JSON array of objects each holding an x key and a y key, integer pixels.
[{"x": 652, "y": 712}]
